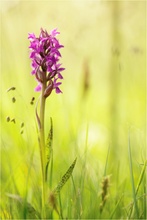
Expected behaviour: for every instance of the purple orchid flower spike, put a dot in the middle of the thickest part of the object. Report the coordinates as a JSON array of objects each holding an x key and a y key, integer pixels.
[{"x": 45, "y": 56}]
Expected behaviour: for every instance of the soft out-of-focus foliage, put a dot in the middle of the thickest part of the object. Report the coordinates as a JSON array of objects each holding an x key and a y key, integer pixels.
[{"x": 103, "y": 98}]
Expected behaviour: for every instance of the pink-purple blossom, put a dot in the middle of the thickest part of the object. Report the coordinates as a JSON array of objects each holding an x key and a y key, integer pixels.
[{"x": 45, "y": 56}]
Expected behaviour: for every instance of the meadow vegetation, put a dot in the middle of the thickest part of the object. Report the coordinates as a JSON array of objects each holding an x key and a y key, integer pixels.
[{"x": 99, "y": 119}]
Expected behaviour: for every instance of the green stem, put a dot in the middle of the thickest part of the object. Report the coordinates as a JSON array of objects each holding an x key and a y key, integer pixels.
[{"x": 42, "y": 148}]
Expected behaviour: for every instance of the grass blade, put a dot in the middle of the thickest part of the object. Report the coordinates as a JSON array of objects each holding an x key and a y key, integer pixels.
[
  {"x": 141, "y": 177},
  {"x": 114, "y": 210},
  {"x": 60, "y": 203},
  {"x": 145, "y": 203},
  {"x": 31, "y": 212},
  {"x": 132, "y": 181}
]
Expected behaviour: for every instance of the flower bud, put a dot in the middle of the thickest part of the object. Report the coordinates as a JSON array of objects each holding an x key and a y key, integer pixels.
[
  {"x": 39, "y": 75},
  {"x": 48, "y": 89}
]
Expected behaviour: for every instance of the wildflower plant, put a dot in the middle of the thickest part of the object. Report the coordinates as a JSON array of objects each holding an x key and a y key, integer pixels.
[{"x": 46, "y": 67}]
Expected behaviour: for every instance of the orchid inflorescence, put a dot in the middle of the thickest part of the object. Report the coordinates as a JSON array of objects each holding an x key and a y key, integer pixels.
[{"x": 45, "y": 58}]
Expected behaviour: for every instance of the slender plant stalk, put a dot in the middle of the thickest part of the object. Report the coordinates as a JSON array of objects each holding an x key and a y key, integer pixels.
[
  {"x": 106, "y": 164},
  {"x": 42, "y": 148}
]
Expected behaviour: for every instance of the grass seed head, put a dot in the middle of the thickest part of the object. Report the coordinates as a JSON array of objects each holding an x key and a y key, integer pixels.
[{"x": 104, "y": 193}]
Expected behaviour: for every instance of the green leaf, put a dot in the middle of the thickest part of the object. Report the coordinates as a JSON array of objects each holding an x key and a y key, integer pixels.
[
  {"x": 27, "y": 208},
  {"x": 64, "y": 178},
  {"x": 49, "y": 147}
]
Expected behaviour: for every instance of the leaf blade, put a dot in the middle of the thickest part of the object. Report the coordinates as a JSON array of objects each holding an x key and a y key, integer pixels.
[
  {"x": 65, "y": 177},
  {"x": 49, "y": 148}
]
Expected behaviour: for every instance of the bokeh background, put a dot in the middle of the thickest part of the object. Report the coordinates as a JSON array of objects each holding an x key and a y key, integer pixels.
[{"x": 103, "y": 101}]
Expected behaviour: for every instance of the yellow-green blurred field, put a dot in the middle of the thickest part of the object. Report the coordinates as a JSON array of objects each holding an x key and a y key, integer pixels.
[{"x": 102, "y": 107}]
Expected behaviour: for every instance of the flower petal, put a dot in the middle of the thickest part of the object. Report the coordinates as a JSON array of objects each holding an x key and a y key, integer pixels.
[{"x": 38, "y": 88}]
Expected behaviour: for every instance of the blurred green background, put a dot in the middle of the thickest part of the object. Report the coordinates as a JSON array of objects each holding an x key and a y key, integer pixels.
[{"x": 104, "y": 85}]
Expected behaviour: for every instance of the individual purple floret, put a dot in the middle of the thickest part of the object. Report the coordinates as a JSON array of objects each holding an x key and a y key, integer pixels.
[{"x": 45, "y": 58}]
